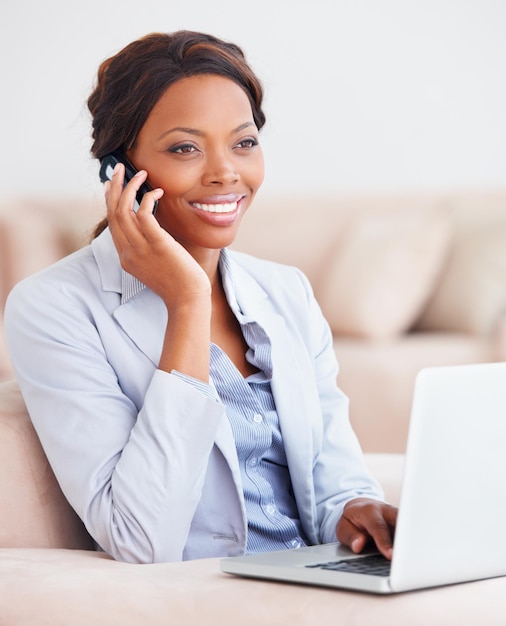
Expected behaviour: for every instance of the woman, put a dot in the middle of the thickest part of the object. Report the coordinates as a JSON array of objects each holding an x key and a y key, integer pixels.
[{"x": 185, "y": 395}]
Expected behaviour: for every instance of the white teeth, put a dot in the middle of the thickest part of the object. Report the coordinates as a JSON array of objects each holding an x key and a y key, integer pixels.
[{"x": 216, "y": 208}]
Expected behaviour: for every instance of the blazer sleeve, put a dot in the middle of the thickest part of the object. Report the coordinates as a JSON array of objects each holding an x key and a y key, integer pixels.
[
  {"x": 340, "y": 473},
  {"x": 133, "y": 474}
]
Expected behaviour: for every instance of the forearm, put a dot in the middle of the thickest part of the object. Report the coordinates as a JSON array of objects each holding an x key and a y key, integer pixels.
[
  {"x": 144, "y": 509},
  {"x": 187, "y": 340}
]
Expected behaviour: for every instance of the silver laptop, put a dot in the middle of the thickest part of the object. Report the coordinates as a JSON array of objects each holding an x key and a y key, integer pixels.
[{"x": 452, "y": 513}]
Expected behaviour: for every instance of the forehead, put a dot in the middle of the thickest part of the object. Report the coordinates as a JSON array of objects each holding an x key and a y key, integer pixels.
[{"x": 201, "y": 100}]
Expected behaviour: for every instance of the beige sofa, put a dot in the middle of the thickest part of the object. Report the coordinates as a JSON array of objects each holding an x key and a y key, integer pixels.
[
  {"x": 407, "y": 280},
  {"x": 50, "y": 576}
]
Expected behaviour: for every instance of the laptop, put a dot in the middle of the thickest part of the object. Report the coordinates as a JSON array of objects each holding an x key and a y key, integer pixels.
[{"x": 452, "y": 511}]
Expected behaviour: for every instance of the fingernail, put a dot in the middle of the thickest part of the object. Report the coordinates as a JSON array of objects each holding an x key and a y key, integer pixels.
[
  {"x": 116, "y": 168},
  {"x": 355, "y": 545}
]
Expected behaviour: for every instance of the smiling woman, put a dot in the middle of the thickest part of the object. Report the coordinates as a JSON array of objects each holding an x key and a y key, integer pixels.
[
  {"x": 185, "y": 395},
  {"x": 120, "y": 107},
  {"x": 200, "y": 145}
]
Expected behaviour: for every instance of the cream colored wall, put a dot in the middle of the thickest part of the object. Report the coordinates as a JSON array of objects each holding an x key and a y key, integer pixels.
[{"x": 361, "y": 94}]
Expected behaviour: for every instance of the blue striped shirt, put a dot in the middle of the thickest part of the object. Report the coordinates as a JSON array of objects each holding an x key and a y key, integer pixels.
[{"x": 273, "y": 518}]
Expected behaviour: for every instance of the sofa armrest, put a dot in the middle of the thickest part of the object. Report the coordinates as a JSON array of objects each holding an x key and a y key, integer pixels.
[{"x": 33, "y": 511}]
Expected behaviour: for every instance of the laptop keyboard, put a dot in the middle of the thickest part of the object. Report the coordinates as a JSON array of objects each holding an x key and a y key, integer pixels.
[{"x": 373, "y": 565}]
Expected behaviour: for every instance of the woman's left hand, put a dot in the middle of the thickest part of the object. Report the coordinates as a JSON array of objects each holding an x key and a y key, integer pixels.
[{"x": 364, "y": 520}]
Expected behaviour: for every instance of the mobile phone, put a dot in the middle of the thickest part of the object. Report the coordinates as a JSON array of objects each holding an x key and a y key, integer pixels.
[{"x": 107, "y": 165}]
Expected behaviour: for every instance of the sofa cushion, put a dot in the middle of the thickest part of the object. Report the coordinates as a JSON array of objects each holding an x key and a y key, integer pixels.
[
  {"x": 381, "y": 274},
  {"x": 34, "y": 512},
  {"x": 471, "y": 295},
  {"x": 63, "y": 587}
]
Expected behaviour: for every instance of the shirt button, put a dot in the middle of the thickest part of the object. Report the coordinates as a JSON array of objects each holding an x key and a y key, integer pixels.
[
  {"x": 253, "y": 462},
  {"x": 271, "y": 509},
  {"x": 258, "y": 418}
]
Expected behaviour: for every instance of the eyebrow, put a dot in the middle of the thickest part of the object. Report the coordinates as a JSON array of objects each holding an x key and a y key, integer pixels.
[{"x": 199, "y": 133}]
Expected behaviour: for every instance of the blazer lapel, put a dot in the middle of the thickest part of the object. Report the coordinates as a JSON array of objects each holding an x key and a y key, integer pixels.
[
  {"x": 141, "y": 314},
  {"x": 295, "y": 405},
  {"x": 295, "y": 401},
  {"x": 144, "y": 319}
]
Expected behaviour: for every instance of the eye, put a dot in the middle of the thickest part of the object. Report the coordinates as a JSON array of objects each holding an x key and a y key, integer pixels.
[
  {"x": 248, "y": 143},
  {"x": 184, "y": 148}
]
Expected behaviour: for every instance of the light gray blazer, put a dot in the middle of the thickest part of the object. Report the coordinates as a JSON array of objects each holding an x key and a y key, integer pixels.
[{"x": 148, "y": 461}]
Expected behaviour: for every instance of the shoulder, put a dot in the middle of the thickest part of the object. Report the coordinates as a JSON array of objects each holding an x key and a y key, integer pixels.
[
  {"x": 270, "y": 275},
  {"x": 73, "y": 277}
]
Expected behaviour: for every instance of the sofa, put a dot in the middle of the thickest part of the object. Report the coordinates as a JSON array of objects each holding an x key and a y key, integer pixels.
[
  {"x": 406, "y": 280},
  {"x": 50, "y": 575}
]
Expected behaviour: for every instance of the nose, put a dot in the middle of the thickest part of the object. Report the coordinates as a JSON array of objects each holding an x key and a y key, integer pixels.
[{"x": 220, "y": 169}]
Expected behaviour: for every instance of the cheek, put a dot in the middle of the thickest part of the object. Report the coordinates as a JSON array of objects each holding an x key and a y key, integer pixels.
[
  {"x": 256, "y": 175},
  {"x": 174, "y": 182}
]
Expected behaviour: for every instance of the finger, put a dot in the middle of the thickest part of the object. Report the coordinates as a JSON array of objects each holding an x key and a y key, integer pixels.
[
  {"x": 365, "y": 520},
  {"x": 129, "y": 195},
  {"x": 113, "y": 191},
  {"x": 349, "y": 535},
  {"x": 114, "y": 188},
  {"x": 382, "y": 535},
  {"x": 390, "y": 514},
  {"x": 122, "y": 216},
  {"x": 147, "y": 223},
  {"x": 147, "y": 205},
  {"x": 381, "y": 526}
]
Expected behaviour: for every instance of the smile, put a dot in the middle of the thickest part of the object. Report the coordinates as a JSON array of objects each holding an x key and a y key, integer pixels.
[{"x": 224, "y": 207}]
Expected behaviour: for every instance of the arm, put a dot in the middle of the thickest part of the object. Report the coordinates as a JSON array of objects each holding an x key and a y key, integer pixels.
[
  {"x": 153, "y": 256},
  {"x": 131, "y": 461},
  {"x": 128, "y": 444},
  {"x": 349, "y": 500}
]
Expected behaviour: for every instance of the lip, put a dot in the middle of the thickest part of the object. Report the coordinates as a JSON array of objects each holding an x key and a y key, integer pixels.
[
  {"x": 213, "y": 213},
  {"x": 219, "y": 199}
]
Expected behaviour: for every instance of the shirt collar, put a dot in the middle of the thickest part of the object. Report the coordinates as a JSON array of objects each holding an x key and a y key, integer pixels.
[
  {"x": 115, "y": 278},
  {"x": 131, "y": 286}
]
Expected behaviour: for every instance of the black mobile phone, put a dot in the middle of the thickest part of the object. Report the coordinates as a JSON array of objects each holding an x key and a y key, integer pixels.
[{"x": 107, "y": 165}]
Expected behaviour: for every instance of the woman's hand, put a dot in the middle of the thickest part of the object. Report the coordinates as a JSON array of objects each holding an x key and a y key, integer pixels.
[
  {"x": 364, "y": 520},
  {"x": 145, "y": 249},
  {"x": 152, "y": 255}
]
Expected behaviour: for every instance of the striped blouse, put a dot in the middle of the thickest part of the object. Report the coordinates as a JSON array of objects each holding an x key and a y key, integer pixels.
[{"x": 273, "y": 519}]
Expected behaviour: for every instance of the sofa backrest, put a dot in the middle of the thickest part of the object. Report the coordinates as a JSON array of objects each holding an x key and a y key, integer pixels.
[
  {"x": 307, "y": 230},
  {"x": 33, "y": 511},
  {"x": 383, "y": 264}
]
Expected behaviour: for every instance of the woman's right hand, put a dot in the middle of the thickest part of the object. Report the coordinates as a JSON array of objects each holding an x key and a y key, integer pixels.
[
  {"x": 145, "y": 249},
  {"x": 153, "y": 256}
]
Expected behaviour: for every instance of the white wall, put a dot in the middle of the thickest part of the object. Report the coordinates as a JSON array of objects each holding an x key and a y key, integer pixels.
[{"x": 361, "y": 94}]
